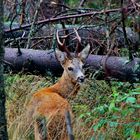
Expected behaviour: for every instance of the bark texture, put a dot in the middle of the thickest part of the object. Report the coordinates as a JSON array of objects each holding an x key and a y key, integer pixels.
[{"x": 42, "y": 62}]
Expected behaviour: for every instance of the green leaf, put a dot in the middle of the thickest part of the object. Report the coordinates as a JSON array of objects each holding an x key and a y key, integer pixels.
[
  {"x": 82, "y": 116},
  {"x": 128, "y": 131},
  {"x": 99, "y": 124},
  {"x": 113, "y": 124},
  {"x": 131, "y": 100},
  {"x": 135, "y": 93},
  {"x": 111, "y": 106},
  {"x": 101, "y": 109},
  {"x": 137, "y": 136},
  {"x": 136, "y": 105}
]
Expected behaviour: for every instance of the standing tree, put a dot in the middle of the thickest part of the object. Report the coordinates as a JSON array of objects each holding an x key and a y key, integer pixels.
[{"x": 3, "y": 122}]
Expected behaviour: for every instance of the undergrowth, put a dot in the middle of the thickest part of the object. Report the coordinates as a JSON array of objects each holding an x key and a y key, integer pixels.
[{"x": 102, "y": 111}]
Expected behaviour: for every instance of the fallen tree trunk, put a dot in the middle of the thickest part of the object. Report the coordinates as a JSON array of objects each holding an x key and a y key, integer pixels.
[{"x": 42, "y": 62}]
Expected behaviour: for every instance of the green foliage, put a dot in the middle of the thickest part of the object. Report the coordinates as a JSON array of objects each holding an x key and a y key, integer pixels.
[
  {"x": 72, "y": 3},
  {"x": 116, "y": 115},
  {"x": 96, "y": 4}
]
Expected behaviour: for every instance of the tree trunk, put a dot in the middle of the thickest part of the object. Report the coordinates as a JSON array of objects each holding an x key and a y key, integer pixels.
[
  {"x": 3, "y": 123},
  {"x": 115, "y": 68}
]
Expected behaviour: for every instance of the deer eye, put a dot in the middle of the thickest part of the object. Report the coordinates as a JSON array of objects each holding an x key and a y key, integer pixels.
[{"x": 70, "y": 68}]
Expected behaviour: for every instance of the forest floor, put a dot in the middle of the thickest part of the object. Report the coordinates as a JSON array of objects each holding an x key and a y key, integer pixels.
[{"x": 102, "y": 110}]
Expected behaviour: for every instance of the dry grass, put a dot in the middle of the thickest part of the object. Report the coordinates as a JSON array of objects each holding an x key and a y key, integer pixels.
[
  {"x": 19, "y": 90},
  {"x": 87, "y": 107}
]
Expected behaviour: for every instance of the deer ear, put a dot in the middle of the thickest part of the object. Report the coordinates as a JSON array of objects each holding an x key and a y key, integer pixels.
[
  {"x": 84, "y": 53},
  {"x": 61, "y": 56}
]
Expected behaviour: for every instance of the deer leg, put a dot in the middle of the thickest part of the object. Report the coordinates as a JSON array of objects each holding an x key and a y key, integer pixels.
[
  {"x": 40, "y": 129},
  {"x": 69, "y": 126}
]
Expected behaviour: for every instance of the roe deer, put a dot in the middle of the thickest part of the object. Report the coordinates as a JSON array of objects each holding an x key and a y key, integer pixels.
[{"x": 51, "y": 102}]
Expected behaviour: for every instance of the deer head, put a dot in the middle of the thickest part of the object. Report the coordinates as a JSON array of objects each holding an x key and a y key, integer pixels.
[{"x": 72, "y": 63}]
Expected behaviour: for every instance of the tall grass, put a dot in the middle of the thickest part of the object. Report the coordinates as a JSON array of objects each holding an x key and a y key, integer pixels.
[
  {"x": 19, "y": 89},
  {"x": 101, "y": 111}
]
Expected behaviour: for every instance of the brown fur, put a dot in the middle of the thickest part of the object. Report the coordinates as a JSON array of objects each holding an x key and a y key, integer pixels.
[{"x": 51, "y": 102}]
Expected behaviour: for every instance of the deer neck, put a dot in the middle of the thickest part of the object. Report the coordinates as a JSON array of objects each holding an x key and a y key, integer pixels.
[{"x": 65, "y": 87}]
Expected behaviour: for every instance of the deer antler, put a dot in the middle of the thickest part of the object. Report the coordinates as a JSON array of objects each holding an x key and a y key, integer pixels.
[
  {"x": 58, "y": 40},
  {"x": 79, "y": 42},
  {"x": 62, "y": 46}
]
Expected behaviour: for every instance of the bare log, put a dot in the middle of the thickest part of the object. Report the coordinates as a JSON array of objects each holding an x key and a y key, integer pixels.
[{"x": 42, "y": 62}]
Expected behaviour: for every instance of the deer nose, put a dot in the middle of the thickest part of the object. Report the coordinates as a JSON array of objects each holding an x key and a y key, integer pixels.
[{"x": 81, "y": 79}]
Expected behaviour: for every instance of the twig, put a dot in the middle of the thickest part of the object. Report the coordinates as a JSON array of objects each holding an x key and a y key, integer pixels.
[
  {"x": 32, "y": 25},
  {"x": 124, "y": 30},
  {"x": 65, "y": 18},
  {"x": 80, "y": 5},
  {"x": 22, "y": 17},
  {"x": 18, "y": 46}
]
